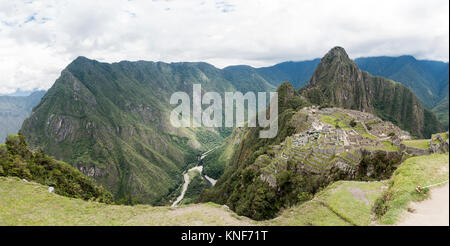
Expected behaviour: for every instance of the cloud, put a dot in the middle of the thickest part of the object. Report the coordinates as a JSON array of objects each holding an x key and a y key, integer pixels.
[{"x": 39, "y": 38}]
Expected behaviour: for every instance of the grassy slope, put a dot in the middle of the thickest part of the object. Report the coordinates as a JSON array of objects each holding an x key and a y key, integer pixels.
[
  {"x": 419, "y": 143},
  {"x": 342, "y": 203},
  {"x": 18, "y": 207},
  {"x": 423, "y": 171}
]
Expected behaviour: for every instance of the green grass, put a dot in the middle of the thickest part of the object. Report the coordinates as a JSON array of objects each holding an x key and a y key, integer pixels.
[
  {"x": 31, "y": 204},
  {"x": 421, "y": 170},
  {"x": 419, "y": 143},
  {"x": 367, "y": 135},
  {"x": 309, "y": 213},
  {"x": 332, "y": 121},
  {"x": 353, "y": 201},
  {"x": 386, "y": 147},
  {"x": 444, "y": 135},
  {"x": 341, "y": 204}
]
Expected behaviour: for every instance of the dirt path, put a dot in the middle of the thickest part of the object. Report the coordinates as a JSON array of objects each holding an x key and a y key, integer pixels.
[{"x": 431, "y": 212}]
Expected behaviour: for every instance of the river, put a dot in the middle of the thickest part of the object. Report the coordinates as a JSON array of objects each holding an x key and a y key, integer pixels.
[{"x": 186, "y": 178}]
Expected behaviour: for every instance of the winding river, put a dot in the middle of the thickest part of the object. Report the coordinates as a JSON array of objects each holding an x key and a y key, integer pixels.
[{"x": 186, "y": 178}]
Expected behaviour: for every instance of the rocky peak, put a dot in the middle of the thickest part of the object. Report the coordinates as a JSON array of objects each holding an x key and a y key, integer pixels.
[
  {"x": 80, "y": 63},
  {"x": 338, "y": 81},
  {"x": 335, "y": 66},
  {"x": 336, "y": 54}
]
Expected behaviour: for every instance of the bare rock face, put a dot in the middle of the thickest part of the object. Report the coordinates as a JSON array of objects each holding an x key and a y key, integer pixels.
[
  {"x": 93, "y": 171},
  {"x": 413, "y": 151},
  {"x": 439, "y": 143}
]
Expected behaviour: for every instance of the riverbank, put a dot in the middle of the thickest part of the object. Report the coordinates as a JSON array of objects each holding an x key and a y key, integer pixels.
[{"x": 187, "y": 178}]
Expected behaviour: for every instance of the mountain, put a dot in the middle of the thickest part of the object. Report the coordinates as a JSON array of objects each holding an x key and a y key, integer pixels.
[
  {"x": 314, "y": 147},
  {"x": 14, "y": 110},
  {"x": 338, "y": 81},
  {"x": 345, "y": 138},
  {"x": 111, "y": 121},
  {"x": 441, "y": 111},
  {"x": 427, "y": 79},
  {"x": 297, "y": 73}
]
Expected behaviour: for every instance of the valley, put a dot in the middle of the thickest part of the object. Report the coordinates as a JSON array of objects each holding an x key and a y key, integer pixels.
[
  {"x": 187, "y": 177},
  {"x": 342, "y": 139},
  {"x": 224, "y": 121}
]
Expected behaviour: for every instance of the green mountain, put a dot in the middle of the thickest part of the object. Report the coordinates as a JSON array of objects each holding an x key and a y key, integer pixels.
[
  {"x": 441, "y": 111},
  {"x": 14, "y": 110},
  {"x": 297, "y": 73},
  {"x": 314, "y": 147},
  {"x": 111, "y": 121},
  {"x": 338, "y": 81},
  {"x": 427, "y": 79},
  {"x": 343, "y": 139}
]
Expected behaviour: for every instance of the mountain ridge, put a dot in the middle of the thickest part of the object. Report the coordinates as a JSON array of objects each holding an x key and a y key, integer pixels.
[
  {"x": 111, "y": 121},
  {"x": 319, "y": 144}
]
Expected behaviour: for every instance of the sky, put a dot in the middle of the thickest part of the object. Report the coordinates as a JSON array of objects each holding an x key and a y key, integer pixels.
[{"x": 38, "y": 39}]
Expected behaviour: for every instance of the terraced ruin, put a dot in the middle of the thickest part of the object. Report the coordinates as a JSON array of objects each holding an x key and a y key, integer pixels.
[{"x": 328, "y": 140}]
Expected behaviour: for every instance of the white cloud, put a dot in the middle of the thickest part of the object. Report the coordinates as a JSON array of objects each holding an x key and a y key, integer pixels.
[{"x": 39, "y": 38}]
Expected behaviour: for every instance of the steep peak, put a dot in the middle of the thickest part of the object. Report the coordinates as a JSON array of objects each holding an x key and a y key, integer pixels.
[
  {"x": 335, "y": 66},
  {"x": 336, "y": 54},
  {"x": 80, "y": 60}
]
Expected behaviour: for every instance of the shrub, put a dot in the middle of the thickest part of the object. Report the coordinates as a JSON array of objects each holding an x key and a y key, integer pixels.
[
  {"x": 304, "y": 196},
  {"x": 19, "y": 161}
]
